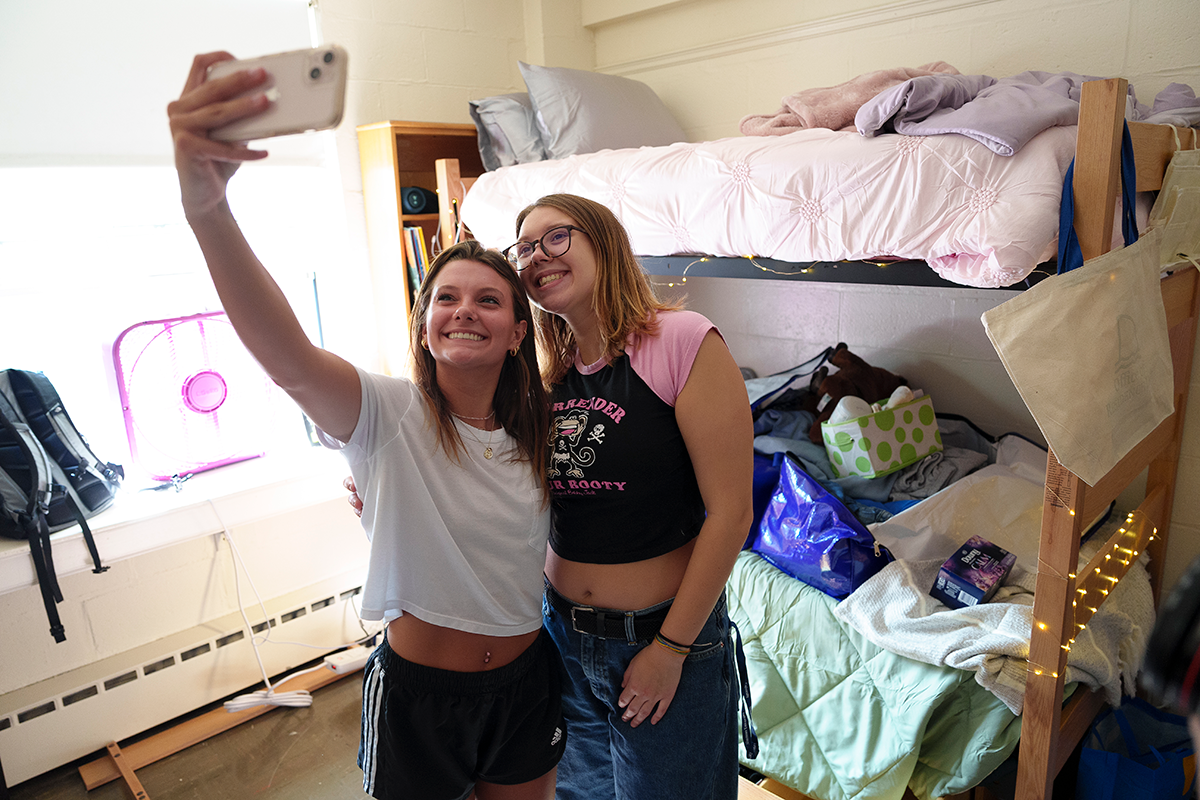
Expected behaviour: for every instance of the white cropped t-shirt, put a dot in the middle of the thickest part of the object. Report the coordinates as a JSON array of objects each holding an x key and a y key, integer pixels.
[{"x": 462, "y": 545}]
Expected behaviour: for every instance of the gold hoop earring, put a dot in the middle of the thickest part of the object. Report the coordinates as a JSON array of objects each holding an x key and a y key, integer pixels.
[
  {"x": 424, "y": 343},
  {"x": 514, "y": 351}
]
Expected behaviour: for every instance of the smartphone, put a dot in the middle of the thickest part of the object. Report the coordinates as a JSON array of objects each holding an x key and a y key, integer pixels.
[{"x": 307, "y": 89}]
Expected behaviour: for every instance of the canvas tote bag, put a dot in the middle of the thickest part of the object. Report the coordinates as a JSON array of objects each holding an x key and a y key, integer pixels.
[
  {"x": 1089, "y": 354},
  {"x": 1177, "y": 210}
]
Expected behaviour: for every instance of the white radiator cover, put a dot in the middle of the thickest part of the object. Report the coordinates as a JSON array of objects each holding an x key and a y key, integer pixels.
[{"x": 69, "y": 716}]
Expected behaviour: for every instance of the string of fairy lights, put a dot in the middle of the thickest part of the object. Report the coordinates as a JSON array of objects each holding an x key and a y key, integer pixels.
[
  {"x": 1101, "y": 575},
  {"x": 753, "y": 262}
]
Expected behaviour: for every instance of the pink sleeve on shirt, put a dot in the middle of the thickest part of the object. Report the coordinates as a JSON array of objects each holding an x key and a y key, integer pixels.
[{"x": 665, "y": 361}]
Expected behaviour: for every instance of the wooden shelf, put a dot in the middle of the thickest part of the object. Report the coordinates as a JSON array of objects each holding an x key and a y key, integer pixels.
[{"x": 393, "y": 155}]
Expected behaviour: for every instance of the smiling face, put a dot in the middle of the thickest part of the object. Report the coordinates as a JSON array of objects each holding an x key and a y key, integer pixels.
[
  {"x": 470, "y": 322},
  {"x": 562, "y": 285}
]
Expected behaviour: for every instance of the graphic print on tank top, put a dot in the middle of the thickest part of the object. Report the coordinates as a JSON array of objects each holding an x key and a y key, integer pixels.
[{"x": 570, "y": 456}]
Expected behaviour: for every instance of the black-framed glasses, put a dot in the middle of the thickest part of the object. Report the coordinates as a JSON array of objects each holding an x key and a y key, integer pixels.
[{"x": 554, "y": 243}]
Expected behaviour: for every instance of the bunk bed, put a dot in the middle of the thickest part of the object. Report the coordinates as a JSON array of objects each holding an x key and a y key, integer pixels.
[{"x": 1049, "y": 729}]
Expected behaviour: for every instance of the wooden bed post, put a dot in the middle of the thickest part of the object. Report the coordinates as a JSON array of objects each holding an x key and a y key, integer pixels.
[
  {"x": 1098, "y": 163},
  {"x": 1044, "y": 748},
  {"x": 452, "y": 187}
]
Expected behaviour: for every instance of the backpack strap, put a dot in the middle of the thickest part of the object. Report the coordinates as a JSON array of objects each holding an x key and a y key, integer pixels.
[
  {"x": 43, "y": 565},
  {"x": 88, "y": 539},
  {"x": 30, "y": 482}
]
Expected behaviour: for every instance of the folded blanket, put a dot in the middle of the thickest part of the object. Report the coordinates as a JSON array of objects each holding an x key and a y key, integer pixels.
[
  {"x": 833, "y": 106},
  {"x": 1004, "y": 113}
]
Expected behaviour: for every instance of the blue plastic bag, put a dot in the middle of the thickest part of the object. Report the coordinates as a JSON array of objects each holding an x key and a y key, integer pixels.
[
  {"x": 766, "y": 478},
  {"x": 809, "y": 534},
  {"x": 1136, "y": 752}
]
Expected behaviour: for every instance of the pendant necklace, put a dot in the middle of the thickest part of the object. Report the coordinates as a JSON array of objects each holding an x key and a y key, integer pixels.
[{"x": 487, "y": 451}]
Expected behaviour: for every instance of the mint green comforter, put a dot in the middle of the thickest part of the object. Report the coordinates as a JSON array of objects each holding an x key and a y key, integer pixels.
[{"x": 838, "y": 717}]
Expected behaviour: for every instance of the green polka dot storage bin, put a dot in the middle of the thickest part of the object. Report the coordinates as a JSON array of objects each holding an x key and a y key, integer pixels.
[{"x": 883, "y": 442}]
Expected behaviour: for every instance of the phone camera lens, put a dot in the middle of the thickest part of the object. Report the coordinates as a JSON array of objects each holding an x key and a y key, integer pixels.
[
  {"x": 315, "y": 73},
  {"x": 328, "y": 58}
]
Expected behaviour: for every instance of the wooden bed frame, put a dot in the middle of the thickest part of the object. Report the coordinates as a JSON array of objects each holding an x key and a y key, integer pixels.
[{"x": 1050, "y": 731}]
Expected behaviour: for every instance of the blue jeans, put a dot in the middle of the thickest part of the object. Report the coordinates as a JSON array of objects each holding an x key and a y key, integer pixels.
[{"x": 691, "y": 752}]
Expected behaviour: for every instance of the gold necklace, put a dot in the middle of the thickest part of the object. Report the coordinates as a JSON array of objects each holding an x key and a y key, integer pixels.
[{"x": 487, "y": 450}]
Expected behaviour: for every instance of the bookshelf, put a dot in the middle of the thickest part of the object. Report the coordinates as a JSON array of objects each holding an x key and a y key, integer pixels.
[{"x": 392, "y": 155}]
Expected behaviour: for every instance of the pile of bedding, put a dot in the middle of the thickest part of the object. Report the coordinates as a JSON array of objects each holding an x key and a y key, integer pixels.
[
  {"x": 839, "y": 717},
  {"x": 1001, "y": 113}
]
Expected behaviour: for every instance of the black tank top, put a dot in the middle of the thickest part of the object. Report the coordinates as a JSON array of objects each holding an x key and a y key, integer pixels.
[{"x": 623, "y": 485}]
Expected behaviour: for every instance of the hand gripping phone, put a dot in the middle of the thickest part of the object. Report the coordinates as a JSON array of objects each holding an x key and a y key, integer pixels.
[{"x": 307, "y": 90}]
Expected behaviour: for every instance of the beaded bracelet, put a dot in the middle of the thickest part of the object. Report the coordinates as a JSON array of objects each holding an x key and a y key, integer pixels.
[{"x": 671, "y": 646}]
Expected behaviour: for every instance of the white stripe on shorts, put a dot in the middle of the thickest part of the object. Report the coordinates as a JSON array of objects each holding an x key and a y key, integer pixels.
[{"x": 372, "y": 703}]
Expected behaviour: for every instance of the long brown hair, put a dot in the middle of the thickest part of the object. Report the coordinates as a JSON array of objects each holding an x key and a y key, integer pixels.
[
  {"x": 623, "y": 300},
  {"x": 520, "y": 400}
]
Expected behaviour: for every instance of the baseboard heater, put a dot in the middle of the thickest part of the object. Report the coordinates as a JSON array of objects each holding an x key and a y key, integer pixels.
[{"x": 69, "y": 716}]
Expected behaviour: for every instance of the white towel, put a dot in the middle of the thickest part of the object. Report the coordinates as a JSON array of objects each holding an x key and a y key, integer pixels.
[{"x": 894, "y": 610}]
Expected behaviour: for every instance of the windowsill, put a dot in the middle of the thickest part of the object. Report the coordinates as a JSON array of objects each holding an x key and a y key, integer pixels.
[{"x": 142, "y": 521}]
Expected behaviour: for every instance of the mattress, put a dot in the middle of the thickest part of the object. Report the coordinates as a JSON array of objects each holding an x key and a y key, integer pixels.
[{"x": 977, "y": 218}]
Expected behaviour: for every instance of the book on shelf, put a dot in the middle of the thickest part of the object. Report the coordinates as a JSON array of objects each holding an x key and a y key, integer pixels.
[
  {"x": 415, "y": 236},
  {"x": 423, "y": 253},
  {"x": 410, "y": 263}
]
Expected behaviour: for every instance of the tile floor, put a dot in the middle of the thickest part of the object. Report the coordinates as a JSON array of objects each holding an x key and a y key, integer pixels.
[{"x": 285, "y": 754}]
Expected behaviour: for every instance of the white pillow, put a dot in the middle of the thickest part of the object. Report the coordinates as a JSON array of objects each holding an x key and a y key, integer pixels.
[
  {"x": 581, "y": 112},
  {"x": 507, "y": 132}
]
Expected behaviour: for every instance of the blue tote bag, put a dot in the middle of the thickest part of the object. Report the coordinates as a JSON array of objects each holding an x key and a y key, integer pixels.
[{"x": 1136, "y": 752}]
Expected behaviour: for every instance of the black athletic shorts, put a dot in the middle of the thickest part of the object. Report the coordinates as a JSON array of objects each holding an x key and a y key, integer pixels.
[{"x": 432, "y": 733}]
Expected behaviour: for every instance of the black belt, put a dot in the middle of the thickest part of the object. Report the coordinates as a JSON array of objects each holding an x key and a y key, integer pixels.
[{"x": 607, "y": 623}]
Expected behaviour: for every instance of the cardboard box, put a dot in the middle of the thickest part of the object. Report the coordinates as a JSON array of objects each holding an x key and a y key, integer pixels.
[
  {"x": 883, "y": 442},
  {"x": 973, "y": 574}
]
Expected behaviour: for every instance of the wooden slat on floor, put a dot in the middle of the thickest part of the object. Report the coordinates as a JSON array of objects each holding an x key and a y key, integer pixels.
[{"x": 193, "y": 731}]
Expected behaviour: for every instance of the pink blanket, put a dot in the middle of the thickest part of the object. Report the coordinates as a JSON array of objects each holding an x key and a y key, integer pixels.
[{"x": 834, "y": 107}]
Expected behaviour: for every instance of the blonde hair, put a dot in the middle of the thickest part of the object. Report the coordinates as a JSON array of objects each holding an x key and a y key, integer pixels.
[
  {"x": 623, "y": 300},
  {"x": 520, "y": 400}
]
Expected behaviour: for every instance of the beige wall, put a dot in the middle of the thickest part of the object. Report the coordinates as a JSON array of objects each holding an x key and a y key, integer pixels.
[{"x": 714, "y": 61}]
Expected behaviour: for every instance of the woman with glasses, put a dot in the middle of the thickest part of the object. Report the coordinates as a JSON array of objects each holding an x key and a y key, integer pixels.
[
  {"x": 461, "y": 699},
  {"x": 650, "y": 473}
]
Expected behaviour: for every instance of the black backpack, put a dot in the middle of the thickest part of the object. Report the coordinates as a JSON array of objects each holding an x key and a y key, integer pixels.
[{"x": 49, "y": 477}]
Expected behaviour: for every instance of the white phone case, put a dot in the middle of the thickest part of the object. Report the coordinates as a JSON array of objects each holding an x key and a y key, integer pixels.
[{"x": 307, "y": 89}]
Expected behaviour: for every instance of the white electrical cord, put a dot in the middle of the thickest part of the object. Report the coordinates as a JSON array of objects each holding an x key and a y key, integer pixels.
[{"x": 299, "y": 698}]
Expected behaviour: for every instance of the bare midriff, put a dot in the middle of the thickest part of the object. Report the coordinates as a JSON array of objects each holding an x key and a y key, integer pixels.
[
  {"x": 458, "y": 651},
  {"x": 626, "y": 587}
]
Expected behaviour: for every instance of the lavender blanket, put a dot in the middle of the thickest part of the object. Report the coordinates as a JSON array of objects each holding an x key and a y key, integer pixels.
[{"x": 1003, "y": 114}]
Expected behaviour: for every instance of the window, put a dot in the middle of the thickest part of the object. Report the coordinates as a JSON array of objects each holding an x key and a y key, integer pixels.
[
  {"x": 92, "y": 235},
  {"x": 90, "y": 251}
]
